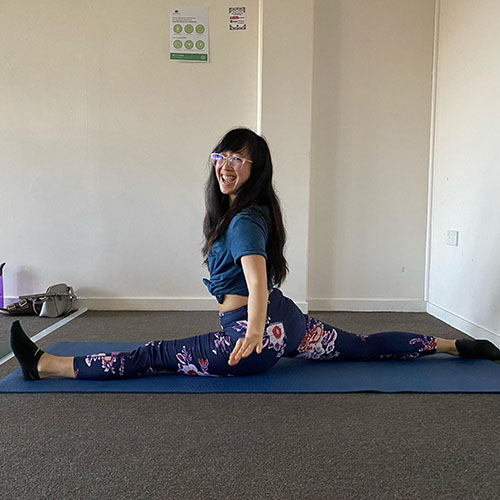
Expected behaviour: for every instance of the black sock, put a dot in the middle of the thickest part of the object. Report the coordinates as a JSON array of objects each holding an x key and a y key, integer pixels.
[
  {"x": 471, "y": 348},
  {"x": 26, "y": 351}
]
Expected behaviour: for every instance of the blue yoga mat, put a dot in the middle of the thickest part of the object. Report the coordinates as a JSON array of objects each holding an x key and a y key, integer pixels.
[{"x": 436, "y": 373}]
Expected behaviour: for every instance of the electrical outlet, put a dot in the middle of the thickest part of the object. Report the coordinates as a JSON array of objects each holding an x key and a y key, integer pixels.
[{"x": 452, "y": 238}]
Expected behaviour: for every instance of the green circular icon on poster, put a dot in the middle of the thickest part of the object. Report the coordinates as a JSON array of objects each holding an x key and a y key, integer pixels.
[
  {"x": 200, "y": 45},
  {"x": 203, "y": 57},
  {"x": 177, "y": 44},
  {"x": 188, "y": 44},
  {"x": 200, "y": 28},
  {"x": 177, "y": 28},
  {"x": 188, "y": 28}
]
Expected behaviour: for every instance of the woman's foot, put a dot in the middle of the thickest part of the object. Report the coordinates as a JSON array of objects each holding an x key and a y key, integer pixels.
[
  {"x": 472, "y": 348},
  {"x": 35, "y": 363},
  {"x": 26, "y": 352}
]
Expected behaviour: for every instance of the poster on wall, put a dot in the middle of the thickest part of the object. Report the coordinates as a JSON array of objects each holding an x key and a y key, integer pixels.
[
  {"x": 189, "y": 34},
  {"x": 237, "y": 18}
]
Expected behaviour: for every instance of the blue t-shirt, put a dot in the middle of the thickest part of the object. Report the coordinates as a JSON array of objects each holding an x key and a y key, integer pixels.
[{"x": 246, "y": 235}]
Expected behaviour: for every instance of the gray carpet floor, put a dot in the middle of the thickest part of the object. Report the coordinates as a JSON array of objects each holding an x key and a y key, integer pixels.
[{"x": 244, "y": 446}]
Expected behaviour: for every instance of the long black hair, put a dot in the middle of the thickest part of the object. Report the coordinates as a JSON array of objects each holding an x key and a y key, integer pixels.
[{"x": 257, "y": 190}]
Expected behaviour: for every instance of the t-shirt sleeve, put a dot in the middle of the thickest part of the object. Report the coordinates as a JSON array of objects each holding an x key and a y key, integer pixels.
[{"x": 249, "y": 237}]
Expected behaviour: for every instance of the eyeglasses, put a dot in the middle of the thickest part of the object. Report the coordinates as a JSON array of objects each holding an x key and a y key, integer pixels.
[{"x": 234, "y": 162}]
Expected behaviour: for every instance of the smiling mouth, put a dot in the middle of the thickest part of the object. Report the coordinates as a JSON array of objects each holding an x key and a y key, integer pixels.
[{"x": 226, "y": 180}]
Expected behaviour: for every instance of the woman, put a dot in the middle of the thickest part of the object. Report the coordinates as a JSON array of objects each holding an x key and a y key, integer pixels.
[{"x": 244, "y": 240}]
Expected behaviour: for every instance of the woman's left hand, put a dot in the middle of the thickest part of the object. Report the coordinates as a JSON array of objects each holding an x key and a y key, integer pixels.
[{"x": 245, "y": 346}]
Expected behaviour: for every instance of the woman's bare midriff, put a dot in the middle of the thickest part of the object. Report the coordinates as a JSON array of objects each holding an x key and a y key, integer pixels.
[{"x": 232, "y": 301}]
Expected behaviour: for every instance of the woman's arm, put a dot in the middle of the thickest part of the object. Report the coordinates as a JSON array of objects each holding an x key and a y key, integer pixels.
[{"x": 254, "y": 269}]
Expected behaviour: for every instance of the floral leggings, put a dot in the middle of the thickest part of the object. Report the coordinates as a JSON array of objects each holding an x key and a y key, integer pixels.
[{"x": 288, "y": 333}]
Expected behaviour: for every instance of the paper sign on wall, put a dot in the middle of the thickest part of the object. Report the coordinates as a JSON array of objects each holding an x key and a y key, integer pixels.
[
  {"x": 237, "y": 18},
  {"x": 189, "y": 34}
]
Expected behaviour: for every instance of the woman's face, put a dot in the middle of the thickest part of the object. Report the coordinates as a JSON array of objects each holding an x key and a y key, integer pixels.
[{"x": 231, "y": 180}]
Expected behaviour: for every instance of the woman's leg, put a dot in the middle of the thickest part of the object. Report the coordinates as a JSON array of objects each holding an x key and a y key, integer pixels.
[
  {"x": 447, "y": 346},
  {"x": 207, "y": 354},
  {"x": 324, "y": 342},
  {"x": 189, "y": 356},
  {"x": 55, "y": 366},
  {"x": 204, "y": 355}
]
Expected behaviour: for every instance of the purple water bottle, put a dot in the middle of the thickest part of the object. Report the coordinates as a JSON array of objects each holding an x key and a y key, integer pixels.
[{"x": 1, "y": 285}]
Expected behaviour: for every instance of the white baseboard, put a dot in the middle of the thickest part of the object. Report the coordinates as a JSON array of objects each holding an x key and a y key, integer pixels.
[{"x": 464, "y": 325}]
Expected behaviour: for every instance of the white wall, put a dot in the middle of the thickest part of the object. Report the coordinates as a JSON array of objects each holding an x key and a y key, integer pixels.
[
  {"x": 104, "y": 144},
  {"x": 372, "y": 83},
  {"x": 464, "y": 284},
  {"x": 103, "y": 147},
  {"x": 286, "y": 123}
]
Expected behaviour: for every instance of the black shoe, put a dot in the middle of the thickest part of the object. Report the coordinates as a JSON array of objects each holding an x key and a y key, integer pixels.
[
  {"x": 22, "y": 307},
  {"x": 26, "y": 351},
  {"x": 471, "y": 348}
]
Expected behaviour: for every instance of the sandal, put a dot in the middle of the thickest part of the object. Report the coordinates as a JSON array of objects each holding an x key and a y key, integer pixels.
[{"x": 22, "y": 307}]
